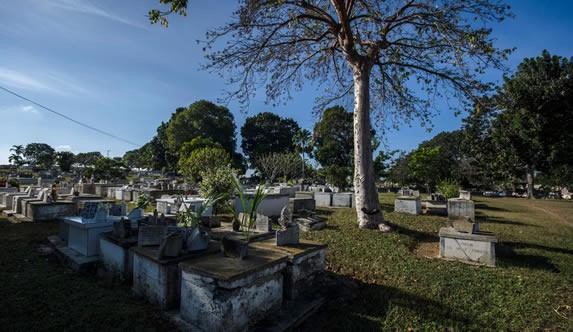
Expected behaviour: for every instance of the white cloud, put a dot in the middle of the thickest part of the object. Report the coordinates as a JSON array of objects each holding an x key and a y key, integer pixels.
[
  {"x": 65, "y": 147},
  {"x": 28, "y": 109},
  {"x": 85, "y": 7}
]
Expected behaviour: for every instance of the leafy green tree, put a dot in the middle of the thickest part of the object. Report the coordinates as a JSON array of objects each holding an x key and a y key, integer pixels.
[
  {"x": 202, "y": 119},
  {"x": 535, "y": 118},
  {"x": 133, "y": 158},
  {"x": 333, "y": 145},
  {"x": 266, "y": 133},
  {"x": 274, "y": 165},
  {"x": 65, "y": 160},
  {"x": 40, "y": 155},
  {"x": 423, "y": 164},
  {"x": 217, "y": 182},
  {"x": 302, "y": 141},
  {"x": 359, "y": 47},
  {"x": 86, "y": 159},
  {"x": 17, "y": 156},
  {"x": 107, "y": 169},
  {"x": 203, "y": 159},
  {"x": 399, "y": 171}
]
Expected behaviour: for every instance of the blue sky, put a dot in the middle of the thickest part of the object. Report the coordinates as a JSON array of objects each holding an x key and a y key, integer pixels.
[{"x": 102, "y": 63}]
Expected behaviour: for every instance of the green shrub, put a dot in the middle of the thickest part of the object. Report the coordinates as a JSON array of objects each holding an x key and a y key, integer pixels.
[{"x": 449, "y": 188}]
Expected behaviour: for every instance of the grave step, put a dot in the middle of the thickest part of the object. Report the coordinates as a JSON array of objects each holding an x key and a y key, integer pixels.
[
  {"x": 21, "y": 217},
  {"x": 8, "y": 213},
  {"x": 75, "y": 260}
]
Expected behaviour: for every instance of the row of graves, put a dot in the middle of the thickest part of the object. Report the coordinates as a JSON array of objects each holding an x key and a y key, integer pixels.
[
  {"x": 461, "y": 239},
  {"x": 206, "y": 274}
]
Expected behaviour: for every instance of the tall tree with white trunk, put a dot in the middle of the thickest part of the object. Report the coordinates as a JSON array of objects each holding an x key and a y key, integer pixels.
[{"x": 393, "y": 57}]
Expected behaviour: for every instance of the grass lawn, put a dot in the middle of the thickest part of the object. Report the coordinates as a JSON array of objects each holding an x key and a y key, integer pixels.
[{"x": 393, "y": 286}]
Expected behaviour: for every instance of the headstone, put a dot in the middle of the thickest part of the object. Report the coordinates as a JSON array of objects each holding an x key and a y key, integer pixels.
[
  {"x": 464, "y": 194},
  {"x": 122, "y": 228},
  {"x": 459, "y": 208},
  {"x": 171, "y": 245},
  {"x": 89, "y": 210},
  {"x": 151, "y": 235},
  {"x": 262, "y": 223},
  {"x": 288, "y": 235}
]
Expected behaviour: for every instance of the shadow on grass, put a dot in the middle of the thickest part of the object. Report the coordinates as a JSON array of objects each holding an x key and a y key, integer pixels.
[
  {"x": 483, "y": 206},
  {"x": 494, "y": 220},
  {"x": 417, "y": 236},
  {"x": 506, "y": 256},
  {"x": 354, "y": 305}
]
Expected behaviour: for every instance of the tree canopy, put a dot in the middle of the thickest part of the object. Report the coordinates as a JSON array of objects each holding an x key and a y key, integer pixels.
[
  {"x": 40, "y": 155},
  {"x": 358, "y": 48},
  {"x": 333, "y": 143},
  {"x": 266, "y": 133},
  {"x": 201, "y": 119},
  {"x": 535, "y": 114}
]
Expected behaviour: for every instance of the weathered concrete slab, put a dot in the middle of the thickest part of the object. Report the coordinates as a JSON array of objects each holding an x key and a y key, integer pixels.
[
  {"x": 158, "y": 279},
  {"x": 225, "y": 294},
  {"x": 473, "y": 248},
  {"x": 306, "y": 261},
  {"x": 410, "y": 204},
  {"x": 459, "y": 208}
]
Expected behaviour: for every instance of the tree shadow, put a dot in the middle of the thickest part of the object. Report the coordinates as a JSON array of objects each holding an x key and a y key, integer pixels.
[
  {"x": 353, "y": 305},
  {"x": 418, "y": 236},
  {"x": 483, "y": 206},
  {"x": 507, "y": 257},
  {"x": 482, "y": 219}
]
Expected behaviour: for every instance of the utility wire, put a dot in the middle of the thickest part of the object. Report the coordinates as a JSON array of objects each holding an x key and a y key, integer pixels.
[{"x": 68, "y": 118}]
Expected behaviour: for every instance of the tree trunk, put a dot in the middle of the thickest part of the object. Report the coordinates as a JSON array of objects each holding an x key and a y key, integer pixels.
[
  {"x": 368, "y": 210},
  {"x": 530, "y": 182}
]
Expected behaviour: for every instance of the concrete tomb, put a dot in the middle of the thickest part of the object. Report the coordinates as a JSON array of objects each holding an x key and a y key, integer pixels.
[
  {"x": 220, "y": 293},
  {"x": 408, "y": 204},
  {"x": 460, "y": 208},
  {"x": 158, "y": 279},
  {"x": 463, "y": 241}
]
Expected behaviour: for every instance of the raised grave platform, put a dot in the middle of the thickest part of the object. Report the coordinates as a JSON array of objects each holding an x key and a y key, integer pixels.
[
  {"x": 477, "y": 248},
  {"x": 408, "y": 204},
  {"x": 159, "y": 279},
  {"x": 226, "y": 294},
  {"x": 305, "y": 263}
]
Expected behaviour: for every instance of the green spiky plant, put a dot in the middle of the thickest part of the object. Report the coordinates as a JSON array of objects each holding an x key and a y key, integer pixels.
[{"x": 250, "y": 206}]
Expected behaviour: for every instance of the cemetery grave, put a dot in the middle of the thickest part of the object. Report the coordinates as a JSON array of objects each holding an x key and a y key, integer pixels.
[{"x": 427, "y": 296}]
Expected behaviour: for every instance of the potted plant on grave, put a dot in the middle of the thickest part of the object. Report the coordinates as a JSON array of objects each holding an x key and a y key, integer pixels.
[
  {"x": 239, "y": 248},
  {"x": 195, "y": 236}
]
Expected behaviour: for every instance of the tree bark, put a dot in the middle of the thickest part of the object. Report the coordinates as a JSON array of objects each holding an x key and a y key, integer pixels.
[
  {"x": 368, "y": 210},
  {"x": 530, "y": 182}
]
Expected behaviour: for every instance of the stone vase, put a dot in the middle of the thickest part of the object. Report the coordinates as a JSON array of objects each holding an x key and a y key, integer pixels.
[{"x": 234, "y": 248}]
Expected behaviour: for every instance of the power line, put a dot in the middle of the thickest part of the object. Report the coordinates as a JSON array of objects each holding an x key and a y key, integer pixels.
[{"x": 68, "y": 118}]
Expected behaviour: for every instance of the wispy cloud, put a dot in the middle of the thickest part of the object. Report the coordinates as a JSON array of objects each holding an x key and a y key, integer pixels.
[
  {"x": 19, "y": 80},
  {"x": 28, "y": 109},
  {"x": 85, "y": 7},
  {"x": 65, "y": 147},
  {"x": 45, "y": 81}
]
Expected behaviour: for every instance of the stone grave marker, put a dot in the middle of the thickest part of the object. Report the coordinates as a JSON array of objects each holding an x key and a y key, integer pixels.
[
  {"x": 288, "y": 235},
  {"x": 151, "y": 235},
  {"x": 263, "y": 223}
]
